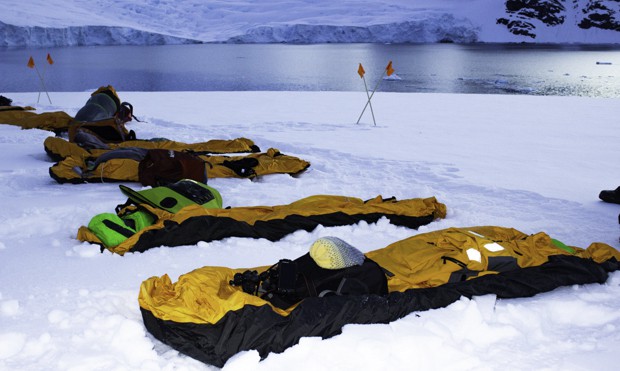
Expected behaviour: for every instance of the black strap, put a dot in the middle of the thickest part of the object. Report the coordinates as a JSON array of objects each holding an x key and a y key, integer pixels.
[
  {"x": 310, "y": 286},
  {"x": 455, "y": 261},
  {"x": 126, "y": 110},
  {"x": 120, "y": 207},
  {"x": 118, "y": 229}
]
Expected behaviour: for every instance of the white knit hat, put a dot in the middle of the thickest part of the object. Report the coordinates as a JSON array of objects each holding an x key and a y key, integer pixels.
[{"x": 334, "y": 253}]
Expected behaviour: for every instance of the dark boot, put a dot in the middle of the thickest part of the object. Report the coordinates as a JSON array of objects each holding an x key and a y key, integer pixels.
[{"x": 610, "y": 196}]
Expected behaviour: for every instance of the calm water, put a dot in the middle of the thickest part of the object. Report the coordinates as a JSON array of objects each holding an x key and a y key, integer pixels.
[{"x": 442, "y": 68}]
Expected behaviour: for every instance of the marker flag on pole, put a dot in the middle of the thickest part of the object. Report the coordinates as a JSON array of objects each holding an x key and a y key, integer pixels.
[
  {"x": 49, "y": 59},
  {"x": 360, "y": 71},
  {"x": 32, "y": 65},
  {"x": 389, "y": 69}
]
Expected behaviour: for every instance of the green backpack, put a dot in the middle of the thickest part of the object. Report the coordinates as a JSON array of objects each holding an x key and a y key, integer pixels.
[
  {"x": 113, "y": 229},
  {"x": 175, "y": 196}
]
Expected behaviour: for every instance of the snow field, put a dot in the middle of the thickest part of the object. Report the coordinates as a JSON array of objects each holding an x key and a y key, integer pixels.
[{"x": 532, "y": 163}]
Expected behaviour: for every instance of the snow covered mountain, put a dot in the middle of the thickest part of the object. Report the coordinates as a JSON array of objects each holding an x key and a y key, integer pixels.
[
  {"x": 526, "y": 17},
  {"x": 146, "y": 22}
]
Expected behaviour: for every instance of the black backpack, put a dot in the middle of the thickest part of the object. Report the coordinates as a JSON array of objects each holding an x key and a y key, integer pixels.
[{"x": 290, "y": 281}]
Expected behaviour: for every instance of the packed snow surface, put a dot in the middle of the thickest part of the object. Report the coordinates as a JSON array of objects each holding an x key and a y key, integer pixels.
[{"x": 527, "y": 162}]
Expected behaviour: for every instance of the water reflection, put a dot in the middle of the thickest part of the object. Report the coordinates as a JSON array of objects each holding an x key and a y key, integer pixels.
[{"x": 445, "y": 68}]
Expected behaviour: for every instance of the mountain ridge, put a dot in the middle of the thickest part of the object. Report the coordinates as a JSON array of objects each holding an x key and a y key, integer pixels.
[{"x": 154, "y": 22}]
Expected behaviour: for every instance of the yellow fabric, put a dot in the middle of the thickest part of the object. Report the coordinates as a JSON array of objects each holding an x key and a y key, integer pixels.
[
  {"x": 204, "y": 295},
  {"x": 416, "y": 264},
  {"x": 117, "y": 170},
  {"x": 63, "y": 148},
  {"x": 270, "y": 162},
  {"x": 201, "y": 296},
  {"x": 313, "y": 205},
  {"x": 59, "y": 147},
  {"x": 26, "y": 119},
  {"x": 107, "y": 88}
]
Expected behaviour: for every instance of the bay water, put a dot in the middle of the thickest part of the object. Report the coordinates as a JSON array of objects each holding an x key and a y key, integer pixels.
[{"x": 567, "y": 70}]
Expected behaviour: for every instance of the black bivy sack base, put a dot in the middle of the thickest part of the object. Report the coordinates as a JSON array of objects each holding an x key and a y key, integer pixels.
[
  {"x": 262, "y": 329},
  {"x": 258, "y": 311}
]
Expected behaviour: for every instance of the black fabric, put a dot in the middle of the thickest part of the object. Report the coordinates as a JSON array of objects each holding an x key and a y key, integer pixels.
[
  {"x": 462, "y": 275},
  {"x": 125, "y": 113},
  {"x": 611, "y": 265},
  {"x": 119, "y": 229},
  {"x": 502, "y": 263},
  {"x": 312, "y": 281},
  {"x": 4, "y": 101},
  {"x": 262, "y": 329},
  {"x": 108, "y": 133},
  {"x": 610, "y": 196},
  {"x": 11, "y": 108},
  {"x": 243, "y": 167},
  {"x": 192, "y": 191},
  {"x": 54, "y": 157},
  {"x": 210, "y": 228}
]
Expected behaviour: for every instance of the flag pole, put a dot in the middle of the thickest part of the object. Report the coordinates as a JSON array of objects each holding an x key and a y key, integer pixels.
[
  {"x": 39, "y": 95},
  {"x": 41, "y": 78},
  {"x": 370, "y": 97},
  {"x": 367, "y": 103},
  {"x": 31, "y": 64},
  {"x": 389, "y": 70},
  {"x": 43, "y": 84}
]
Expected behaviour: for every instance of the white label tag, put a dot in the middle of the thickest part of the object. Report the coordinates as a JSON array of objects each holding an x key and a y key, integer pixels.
[
  {"x": 474, "y": 254},
  {"x": 494, "y": 247}
]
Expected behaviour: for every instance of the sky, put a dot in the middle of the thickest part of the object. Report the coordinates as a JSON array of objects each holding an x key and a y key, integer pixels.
[{"x": 493, "y": 160}]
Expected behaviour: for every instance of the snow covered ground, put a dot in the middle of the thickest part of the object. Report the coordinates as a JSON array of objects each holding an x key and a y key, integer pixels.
[
  {"x": 86, "y": 22},
  {"x": 532, "y": 163}
]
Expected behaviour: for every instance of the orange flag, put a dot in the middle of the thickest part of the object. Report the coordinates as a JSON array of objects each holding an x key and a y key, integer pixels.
[
  {"x": 49, "y": 59},
  {"x": 360, "y": 71},
  {"x": 389, "y": 69},
  {"x": 30, "y": 62}
]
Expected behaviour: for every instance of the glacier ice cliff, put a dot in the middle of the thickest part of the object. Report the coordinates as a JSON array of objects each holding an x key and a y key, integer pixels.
[
  {"x": 11, "y": 35},
  {"x": 442, "y": 28}
]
